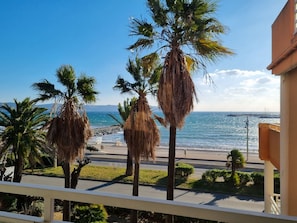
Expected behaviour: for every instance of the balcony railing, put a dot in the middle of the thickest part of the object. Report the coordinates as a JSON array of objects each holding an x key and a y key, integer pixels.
[
  {"x": 50, "y": 193},
  {"x": 275, "y": 204}
]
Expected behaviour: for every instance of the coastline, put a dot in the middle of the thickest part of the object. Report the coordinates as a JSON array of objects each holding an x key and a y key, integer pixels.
[
  {"x": 120, "y": 148},
  {"x": 100, "y": 132}
]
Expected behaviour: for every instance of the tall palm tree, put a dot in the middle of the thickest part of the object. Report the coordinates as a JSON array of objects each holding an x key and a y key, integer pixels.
[
  {"x": 188, "y": 33},
  {"x": 140, "y": 130},
  {"x": 24, "y": 133},
  {"x": 124, "y": 111},
  {"x": 70, "y": 129}
]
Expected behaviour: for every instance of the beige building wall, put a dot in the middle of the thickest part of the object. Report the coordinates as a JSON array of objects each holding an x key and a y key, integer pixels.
[
  {"x": 288, "y": 143},
  {"x": 284, "y": 63}
]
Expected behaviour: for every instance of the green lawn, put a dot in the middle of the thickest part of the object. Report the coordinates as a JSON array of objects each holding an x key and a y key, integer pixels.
[{"x": 104, "y": 173}]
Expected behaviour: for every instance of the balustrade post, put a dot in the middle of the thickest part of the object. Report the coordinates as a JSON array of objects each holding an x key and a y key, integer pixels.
[
  {"x": 268, "y": 185},
  {"x": 48, "y": 209}
]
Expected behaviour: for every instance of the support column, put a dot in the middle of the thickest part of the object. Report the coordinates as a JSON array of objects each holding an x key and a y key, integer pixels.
[
  {"x": 288, "y": 143},
  {"x": 268, "y": 185},
  {"x": 284, "y": 143}
]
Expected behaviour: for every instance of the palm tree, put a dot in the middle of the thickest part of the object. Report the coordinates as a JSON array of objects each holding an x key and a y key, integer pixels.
[
  {"x": 235, "y": 160},
  {"x": 24, "y": 133},
  {"x": 186, "y": 31},
  {"x": 124, "y": 111},
  {"x": 70, "y": 129},
  {"x": 140, "y": 130}
]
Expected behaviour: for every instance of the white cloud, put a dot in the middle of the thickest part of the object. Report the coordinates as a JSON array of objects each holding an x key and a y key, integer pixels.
[{"x": 239, "y": 90}]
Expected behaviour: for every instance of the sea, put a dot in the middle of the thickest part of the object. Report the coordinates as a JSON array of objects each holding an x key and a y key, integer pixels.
[{"x": 216, "y": 131}]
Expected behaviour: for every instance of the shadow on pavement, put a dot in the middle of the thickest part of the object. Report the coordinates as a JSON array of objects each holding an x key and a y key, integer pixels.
[
  {"x": 115, "y": 180},
  {"x": 216, "y": 198}
]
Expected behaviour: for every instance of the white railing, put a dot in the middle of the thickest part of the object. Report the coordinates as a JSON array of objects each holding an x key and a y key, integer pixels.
[
  {"x": 275, "y": 204},
  {"x": 50, "y": 193}
]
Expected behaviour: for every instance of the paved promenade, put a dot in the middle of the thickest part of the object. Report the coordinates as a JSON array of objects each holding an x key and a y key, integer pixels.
[
  {"x": 188, "y": 153},
  {"x": 200, "y": 159}
]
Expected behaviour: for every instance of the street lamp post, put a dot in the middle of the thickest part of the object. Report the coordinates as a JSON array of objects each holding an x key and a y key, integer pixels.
[{"x": 247, "y": 137}]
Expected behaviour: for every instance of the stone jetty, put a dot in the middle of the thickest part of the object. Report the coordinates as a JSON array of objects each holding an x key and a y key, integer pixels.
[{"x": 107, "y": 130}]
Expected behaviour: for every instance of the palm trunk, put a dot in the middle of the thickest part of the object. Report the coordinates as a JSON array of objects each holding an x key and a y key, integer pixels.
[
  {"x": 76, "y": 172},
  {"x": 129, "y": 166},
  {"x": 136, "y": 179},
  {"x": 171, "y": 164},
  {"x": 171, "y": 169},
  {"x": 18, "y": 170},
  {"x": 66, "y": 204},
  {"x": 17, "y": 177},
  {"x": 134, "y": 213}
]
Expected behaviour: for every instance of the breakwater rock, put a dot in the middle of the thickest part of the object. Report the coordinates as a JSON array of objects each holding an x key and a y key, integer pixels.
[{"x": 107, "y": 130}]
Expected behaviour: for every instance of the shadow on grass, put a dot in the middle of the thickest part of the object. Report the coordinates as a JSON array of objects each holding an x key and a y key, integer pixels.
[
  {"x": 114, "y": 180},
  {"x": 242, "y": 192}
]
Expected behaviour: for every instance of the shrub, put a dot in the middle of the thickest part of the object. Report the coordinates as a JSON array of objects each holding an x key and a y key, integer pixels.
[
  {"x": 93, "y": 213},
  {"x": 233, "y": 180},
  {"x": 258, "y": 178},
  {"x": 206, "y": 176},
  {"x": 244, "y": 178},
  {"x": 36, "y": 208},
  {"x": 211, "y": 176},
  {"x": 226, "y": 175},
  {"x": 183, "y": 170},
  {"x": 7, "y": 201}
]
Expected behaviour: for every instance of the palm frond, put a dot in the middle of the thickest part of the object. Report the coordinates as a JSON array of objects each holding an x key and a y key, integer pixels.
[
  {"x": 116, "y": 119},
  {"x": 159, "y": 13},
  {"x": 125, "y": 110},
  {"x": 123, "y": 85},
  {"x": 134, "y": 69},
  {"x": 210, "y": 50},
  {"x": 23, "y": 130},
  {"x": 85, "y": 88},
  {"x": 69, "y": 132},
  {"x": 47, "y": 90},
  {"x": 190, "y": 63},
  {"x": 176, "y": 89},
  {"x": 66, "y": 76},
  {"x": 141, "y": 28},
  {"x": 149, "y": 63},
  {"x": 141, "y": 44},
  {"x": 141, "y": 132},
  {"x": 160, "y": 120}
]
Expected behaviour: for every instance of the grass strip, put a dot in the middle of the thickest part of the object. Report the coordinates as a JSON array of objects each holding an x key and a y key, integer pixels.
[{"x": 149, "y": 177}]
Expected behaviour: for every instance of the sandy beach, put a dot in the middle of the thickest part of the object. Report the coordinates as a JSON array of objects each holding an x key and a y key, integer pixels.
[{"x": 121, "y": 149}]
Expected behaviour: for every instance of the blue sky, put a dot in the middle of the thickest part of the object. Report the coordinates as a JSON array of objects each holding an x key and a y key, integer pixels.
[{"x": 37, "y": 37}]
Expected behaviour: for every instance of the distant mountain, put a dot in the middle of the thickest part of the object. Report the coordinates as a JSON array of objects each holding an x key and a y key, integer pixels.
[
  {"x": 91, "y": 108},
  {"x": 101, "y": 108}
]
